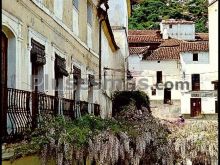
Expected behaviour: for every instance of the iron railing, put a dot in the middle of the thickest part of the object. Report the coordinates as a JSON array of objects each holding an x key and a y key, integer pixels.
[
  {"x": 18, "y": 112},
  {"x": 24, "y": 109}
]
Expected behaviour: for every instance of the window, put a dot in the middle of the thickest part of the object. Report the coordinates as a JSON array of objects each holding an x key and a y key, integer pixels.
[
  {"x": 170, "y": 26},
  {"x": 153, "y": 92},
  {"x": 195, "y": 82},
  {"x": 89, "y": 13},
  {"x": 75, "y": 18},
  {"x": 158, "y": 61},
  {"x": 38, "y": 60},
  {"x": 76, "y": 4},
  {"x": 159, "y": 77},
  {"x": 77, "y": 82},
  {"x": 58, "y": 9},
  {"x": 195, "y": 56}
]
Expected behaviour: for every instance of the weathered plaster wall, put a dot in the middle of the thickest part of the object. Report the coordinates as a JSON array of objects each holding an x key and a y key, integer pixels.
[{"x": 213, "y": 36}]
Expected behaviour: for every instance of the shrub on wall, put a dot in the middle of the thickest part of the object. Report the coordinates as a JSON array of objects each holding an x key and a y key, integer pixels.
[{"x": 124, "y": 98}]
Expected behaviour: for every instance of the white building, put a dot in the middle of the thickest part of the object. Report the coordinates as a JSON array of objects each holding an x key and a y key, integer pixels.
[
  {"x": 182, "y": 30},
  {"x": 196, "y": 70},
  {"x": 213, "y": 35},
  {"x": 178, "y": 72}
]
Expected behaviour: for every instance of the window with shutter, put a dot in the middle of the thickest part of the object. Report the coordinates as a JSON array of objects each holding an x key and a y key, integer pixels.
[
  {"x": 60, "y": 65},
  {"x": 37, "y": 53}
]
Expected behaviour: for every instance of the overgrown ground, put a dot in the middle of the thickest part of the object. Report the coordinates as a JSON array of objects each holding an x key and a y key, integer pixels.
[{"x": 133, "y": 136}]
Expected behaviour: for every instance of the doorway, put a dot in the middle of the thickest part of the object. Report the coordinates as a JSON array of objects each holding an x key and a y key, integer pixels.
[
  {"x": 167, "y": 96},
  {"x": 4, "y": 77},
  {"x": 195, "y": 107}
]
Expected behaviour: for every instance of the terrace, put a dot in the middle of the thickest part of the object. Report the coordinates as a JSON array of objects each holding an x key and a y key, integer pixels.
[{"x": 22, "y": 111}]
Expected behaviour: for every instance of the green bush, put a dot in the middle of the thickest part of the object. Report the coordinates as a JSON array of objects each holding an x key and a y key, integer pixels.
[{"x": 124, "y": 98}]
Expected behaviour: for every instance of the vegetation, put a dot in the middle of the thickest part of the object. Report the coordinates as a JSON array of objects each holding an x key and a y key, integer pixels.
[
  {"x": 133, "y": 137},
  {"x": 196, "y": 141},
  {"x": 124, "y": 98},
  {"x": 149, "y": 13}
]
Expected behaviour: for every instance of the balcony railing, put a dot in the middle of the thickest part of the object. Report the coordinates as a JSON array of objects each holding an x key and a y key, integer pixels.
[
  {"x": 24, "y": 109},
  {"x": 203, "y": 93}
]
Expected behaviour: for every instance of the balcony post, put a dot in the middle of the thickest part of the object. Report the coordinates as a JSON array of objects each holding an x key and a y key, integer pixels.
[{"x": 35, "y": 100}]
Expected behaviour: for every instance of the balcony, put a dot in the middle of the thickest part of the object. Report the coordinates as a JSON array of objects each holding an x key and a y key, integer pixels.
[
  {"x": 203, "y": 93},
  {"x": 24, "y": 108}
]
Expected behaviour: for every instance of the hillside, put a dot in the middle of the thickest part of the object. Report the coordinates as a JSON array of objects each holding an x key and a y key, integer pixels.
[{"x": 147, "y": 14}]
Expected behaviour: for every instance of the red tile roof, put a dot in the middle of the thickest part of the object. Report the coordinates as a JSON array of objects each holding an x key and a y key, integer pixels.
[
  {"x": 202, "y": 36},
  {"x": 138, "y": 50},
  {"x": 143, "y": 32},
  {"x": 194, "y": 46},
  {"x": 170, "y": 42},
  {"x": 143, "y": 39},
  {"x": 165, "y": 53}
]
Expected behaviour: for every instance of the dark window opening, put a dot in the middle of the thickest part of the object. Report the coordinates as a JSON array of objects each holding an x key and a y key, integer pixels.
[
  {"x": 153, "y": 92},
  {"x": 167, "y": 96},
  {"x": 158, "y": 61},
  {"x": 89, "y": 13},
  {"x": 77, "y": 82},
  {"x": 170, "y": 26},
  {"x": 159, "y": 77},
  {"x": 96, "y": 110},
  {"x": 38, "y": 59},
  {"x": 195, "y": 82},
  {"x": 76, "y": 4},
  {"x": 216, "y": 106},
  {"x": 37, "y": 53},
  {"x": 195, "y": 56}
]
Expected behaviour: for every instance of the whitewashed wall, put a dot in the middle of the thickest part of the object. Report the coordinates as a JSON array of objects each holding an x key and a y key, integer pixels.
[
  {"x": 213, "y": 36},
  {"x": 202, "y": 67},
  {"x": 143, "y": 69},
  {"x": 207, "y": 104},
  {"x": 179, "y": 31},
  {"x": 205, "y": 69},
  {"x": 118, "y": 9}
]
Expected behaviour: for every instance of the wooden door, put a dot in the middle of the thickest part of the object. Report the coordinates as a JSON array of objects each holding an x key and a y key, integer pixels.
[
  {"x": 4, "y": 81},
  {"x": 195, "y": 107}
]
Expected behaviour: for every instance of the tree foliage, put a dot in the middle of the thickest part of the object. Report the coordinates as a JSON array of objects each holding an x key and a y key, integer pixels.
[
  {"x": 124, "y": 98},
  {"x": 149, "y": 13}
]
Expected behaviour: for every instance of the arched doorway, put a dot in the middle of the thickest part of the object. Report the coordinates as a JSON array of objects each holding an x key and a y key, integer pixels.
[
  {"x": 11, "y": 55},
  {"x": 4, "y": 78}
]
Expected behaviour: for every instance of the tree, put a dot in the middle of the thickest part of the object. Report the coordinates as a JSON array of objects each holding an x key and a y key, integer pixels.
[{"x": 148, "y": 13}]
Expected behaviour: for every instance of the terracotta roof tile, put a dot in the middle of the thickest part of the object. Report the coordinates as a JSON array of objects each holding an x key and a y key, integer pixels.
[
  {"x": 202, "y": 36},
  {"x": 143, "y": 32},
  {"x": 170, "y": 42},
  {"x": 165, "y": 53},
  {"x": 194, "y": 46},
  {"x": 143, "y": 39},
  {"x": 138, "y": 50}
]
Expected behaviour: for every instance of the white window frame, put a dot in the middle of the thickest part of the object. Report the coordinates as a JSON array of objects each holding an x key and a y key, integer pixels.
[
  {"x": 58, "y": 13},
  {"x": 75, "y": 21}
]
